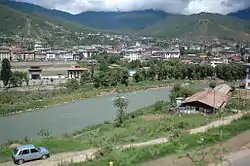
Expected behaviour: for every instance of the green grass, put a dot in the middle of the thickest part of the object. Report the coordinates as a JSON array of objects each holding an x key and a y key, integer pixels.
[
  {"x": 83, "y": 64},
  {"x": 136, "y": 129},
  {"x": 136, "y": 156},
  {"x": 55, "y": 145},
  {"x": 139, "y": 129}
]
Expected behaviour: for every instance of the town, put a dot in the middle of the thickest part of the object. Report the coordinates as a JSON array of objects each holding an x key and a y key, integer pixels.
[
  {"x": 144, "y": 88},
  {"x": 127, "y": 48}
]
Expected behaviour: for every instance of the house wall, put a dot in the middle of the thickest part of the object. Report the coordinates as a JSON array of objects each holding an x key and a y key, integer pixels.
[
  {"x": 247, "y": 78},
  {"x": 201, "y": 107}
]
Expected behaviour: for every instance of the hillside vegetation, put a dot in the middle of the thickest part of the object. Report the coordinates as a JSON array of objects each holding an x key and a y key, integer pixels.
[
  {"x": 14, "y": 22},
  {"x": 201, "y": 26},
  {"x": 33, "y": 20}
]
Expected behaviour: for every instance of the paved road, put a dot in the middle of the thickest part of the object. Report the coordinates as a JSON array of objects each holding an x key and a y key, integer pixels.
[
  {"x": 242, "y": 162},
  {"x": 240, "y": 158},
  {"x": 81, "y": 156}
]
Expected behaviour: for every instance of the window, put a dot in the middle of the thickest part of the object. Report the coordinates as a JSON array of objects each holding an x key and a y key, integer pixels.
[
  {"x": 26, "y": 151},
  {"x": 33, "y": 150},
  {"x": 15, "y": 151}
]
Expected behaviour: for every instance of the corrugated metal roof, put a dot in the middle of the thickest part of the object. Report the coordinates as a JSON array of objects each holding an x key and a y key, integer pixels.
[
  {"x": 223, "y": 88},
  {"x": 207, "y": 97}
]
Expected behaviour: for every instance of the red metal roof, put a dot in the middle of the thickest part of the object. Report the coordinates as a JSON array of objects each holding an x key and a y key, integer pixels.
[{"x": 207, "y": 97}]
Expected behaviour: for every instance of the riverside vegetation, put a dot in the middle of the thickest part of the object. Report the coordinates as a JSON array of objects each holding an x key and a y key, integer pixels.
[
  {"x": 102, "y": 79},
  {"x": 181, "y": 143},
  {"x": 142, "y": 125}
]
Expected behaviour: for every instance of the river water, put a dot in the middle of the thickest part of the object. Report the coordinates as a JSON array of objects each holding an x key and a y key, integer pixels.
[
  {"x": 74, "y": 116},
  {"x": 70, "y": 117}
]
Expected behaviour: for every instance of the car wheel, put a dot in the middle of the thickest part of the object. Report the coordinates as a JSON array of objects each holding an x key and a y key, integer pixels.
[
  {"x": 44, "y": 157},
  {"x": 20, "y": 162}
]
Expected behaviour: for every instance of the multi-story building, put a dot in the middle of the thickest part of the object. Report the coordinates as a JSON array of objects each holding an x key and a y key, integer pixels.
[
  {"x": 38, "y": 46},
  {"x": 169, "y": 54},
  {"x": 172, "y": 54},
  {"x": 50, "y": 56},
  {"x": 132, "y": 56},
  {"x": 5, "y": 52},
  {"x": 247, "y": 75},
  {"x": 216, "y": 61}
]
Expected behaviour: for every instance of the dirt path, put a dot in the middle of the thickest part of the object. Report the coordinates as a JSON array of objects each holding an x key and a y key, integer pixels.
[
  {"x": 237, "y": 146},
  {"x": 83, "y": 155}
]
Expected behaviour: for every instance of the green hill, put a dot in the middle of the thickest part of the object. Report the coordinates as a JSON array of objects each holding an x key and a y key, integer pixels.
[
  {"x": 201, "y": 26},
  {"x": 14, "y": 22}
]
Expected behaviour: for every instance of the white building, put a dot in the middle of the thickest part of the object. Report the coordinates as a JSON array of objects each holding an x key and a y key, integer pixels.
[
  {"x": 38, "y": 47},
  {"x": 66, "y": 55},
  {"x": 172, "y": 54},
  {"x": 247, "y": 78},
  {"x": 132, "y": 56},
  {"x": 215, "y": 62},
  {"x": 50, "y": 56}
]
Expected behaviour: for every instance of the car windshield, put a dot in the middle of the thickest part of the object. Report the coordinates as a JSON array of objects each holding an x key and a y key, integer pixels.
[{"x": 15, "y": 151}]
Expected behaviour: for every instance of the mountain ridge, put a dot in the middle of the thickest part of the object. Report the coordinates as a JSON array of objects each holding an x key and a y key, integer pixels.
[
  {"x": 14, "y": 22},
  {"x": 146, "y": 22},
  {"x": 243, "y": 14},
  {"x": 201, "y": 26},
  {"x": 132, "y": 20}
]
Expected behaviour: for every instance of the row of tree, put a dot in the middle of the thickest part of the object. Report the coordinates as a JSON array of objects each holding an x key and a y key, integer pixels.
[
  {"x": 163, "y": 71},
  {"x": 10, "y": 78},
  {"x": 106, "y": 77}
]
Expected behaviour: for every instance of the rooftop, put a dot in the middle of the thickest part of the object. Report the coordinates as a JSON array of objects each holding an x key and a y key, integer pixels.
[{"x": 208, "y": 97}]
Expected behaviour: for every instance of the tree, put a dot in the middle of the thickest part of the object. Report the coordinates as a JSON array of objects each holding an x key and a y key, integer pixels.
[
  {"x": 6, "y": 72},
  {"x": 125, "y": 77},
  {"x": 182, "y": 51},
  {"x": 73, "y": 84},
  {"x": 103, "y": 65},
  {"x": 18, "y": 78},
  {"x": 121, "y": 104},
  {"x": 180, "y": 91},
  {"x": 85, "y": 77}
]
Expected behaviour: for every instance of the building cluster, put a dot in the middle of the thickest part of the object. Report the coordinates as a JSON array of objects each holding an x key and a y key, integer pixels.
[{"x": 131, "y": 48}]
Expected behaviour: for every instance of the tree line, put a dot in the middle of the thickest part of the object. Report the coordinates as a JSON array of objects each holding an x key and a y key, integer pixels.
[
  {"x": 104, "y": 76},
  {"x": 10, "y": 78},
  {"x": 182, "y": 71}
]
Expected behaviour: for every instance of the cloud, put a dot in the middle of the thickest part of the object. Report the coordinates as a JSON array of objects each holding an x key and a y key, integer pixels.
[{"x": 171, "y": 6}]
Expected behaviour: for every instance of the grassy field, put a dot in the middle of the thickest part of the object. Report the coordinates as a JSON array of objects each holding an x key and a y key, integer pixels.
[
  {"x": 138, "y": 126},
  {"x": 136, "y": 156}
]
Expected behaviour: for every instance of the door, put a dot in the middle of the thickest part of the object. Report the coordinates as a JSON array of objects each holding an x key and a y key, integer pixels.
[
  {"x": 25, "y": 155},
  {"x": 35, "y": 154}
]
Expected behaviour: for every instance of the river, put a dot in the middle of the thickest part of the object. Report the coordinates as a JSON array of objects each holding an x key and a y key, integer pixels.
[{"x": 74, "y": 116}]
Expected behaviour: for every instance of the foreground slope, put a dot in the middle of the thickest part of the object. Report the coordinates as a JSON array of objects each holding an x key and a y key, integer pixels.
[
  {"x": 14, "y": 22},
  {"x": 201, "y": 26}
]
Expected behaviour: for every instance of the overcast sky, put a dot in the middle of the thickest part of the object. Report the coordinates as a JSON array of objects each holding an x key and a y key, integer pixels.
[{"x": 171, "y": 6}]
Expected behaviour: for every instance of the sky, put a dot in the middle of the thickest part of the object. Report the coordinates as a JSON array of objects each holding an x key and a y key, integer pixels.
[{"x": 170, "y": 6}]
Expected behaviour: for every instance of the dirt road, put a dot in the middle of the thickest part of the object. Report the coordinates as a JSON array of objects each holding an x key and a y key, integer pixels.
[{"x": 83, "y": 155}]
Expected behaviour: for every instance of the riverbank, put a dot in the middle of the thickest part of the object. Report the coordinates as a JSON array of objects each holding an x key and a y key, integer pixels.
[
  {"x": 20, "y": 102},
  {"x": 139, "y": 126}
]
